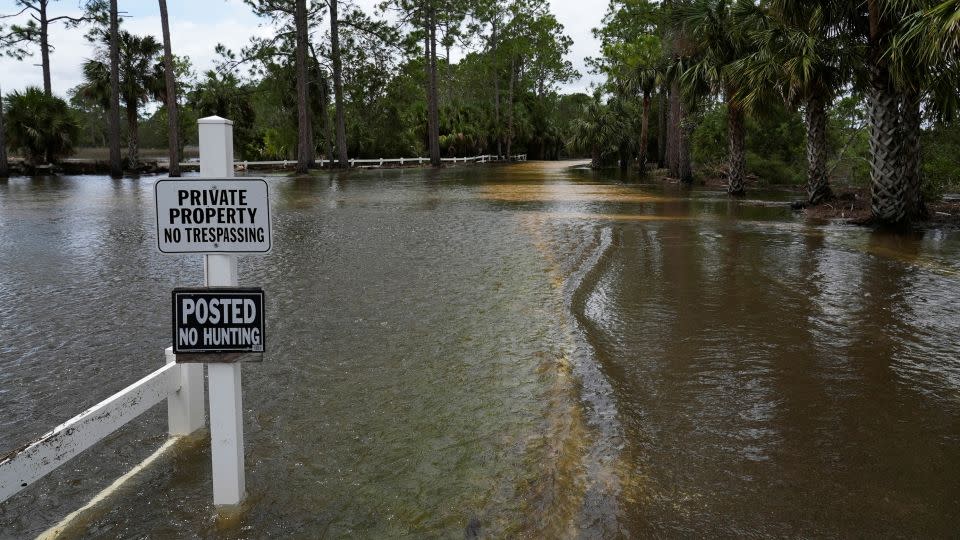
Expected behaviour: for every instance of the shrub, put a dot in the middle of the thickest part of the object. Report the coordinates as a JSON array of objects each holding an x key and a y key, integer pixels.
[{"x": 42, "y": 128}]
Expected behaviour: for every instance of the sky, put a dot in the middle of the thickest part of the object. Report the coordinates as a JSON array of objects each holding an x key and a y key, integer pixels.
[{"x": 196, "y": 26}]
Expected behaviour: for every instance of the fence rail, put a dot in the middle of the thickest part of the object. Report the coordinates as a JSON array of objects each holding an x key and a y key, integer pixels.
[
  {"x": 368, "y": 163},
  {"x": 180, "y": 384}
]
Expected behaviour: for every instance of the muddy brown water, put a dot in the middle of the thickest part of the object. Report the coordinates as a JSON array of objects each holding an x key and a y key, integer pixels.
[{"x": 535, "y": 349}]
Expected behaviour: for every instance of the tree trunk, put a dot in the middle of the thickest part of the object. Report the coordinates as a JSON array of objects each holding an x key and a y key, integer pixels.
[
  {"x": 496, "y": 91},
  {"x": 133, "y": 136},
  {"x": 341, "y": 122},
  {"x": 674, "y": 131},
  {"x": 304, "y": 135},
  {"x": 644, "y": 132},
  {"x": 325, "y": 120},
  {"x": 595, "y": 157},
  {"x": 173, "y": 114},
  {"x": 910, "y": 121},
  {"x": 116, "y": 168},
  {"x": 818, "y": 184},
  {"x": 887, "y": 188},
  {"x": 448, "y": 83},
  {"x": 45, "y": 48},
  {"x": 513, "y": 76},
  {"x": 4, "y": 164},
  {"x": 434, "y": 108},
  {"x": 662, "y": 131},
  {"x": 685, "y": 128},
  {"x": 735, "y": 137}
]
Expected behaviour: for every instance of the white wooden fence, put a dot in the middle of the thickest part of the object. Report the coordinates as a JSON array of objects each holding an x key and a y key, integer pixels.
[
  {"x": 369, "y": 163},
  {"x": 181, "y": 385}
]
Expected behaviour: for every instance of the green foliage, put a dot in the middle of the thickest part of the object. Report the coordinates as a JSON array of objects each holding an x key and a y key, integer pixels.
[
  {"x": 941, "y": 167},
  {"x": 775, "y": 143},
  {"x": 42, "y": 128},
  {"x": 225, "y": 96},
  {"x": 140, "y": 70},
  {"x": 599, "y": 131},
  {"x": 849, "y": 141}
]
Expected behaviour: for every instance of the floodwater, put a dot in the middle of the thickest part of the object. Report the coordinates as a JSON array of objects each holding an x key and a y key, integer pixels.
[{"x": 529, "y": 350}]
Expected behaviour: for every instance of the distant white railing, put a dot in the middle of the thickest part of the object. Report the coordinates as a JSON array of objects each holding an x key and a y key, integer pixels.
[
  {"x": 180, "y": 384},
  {"x": 369, "y": 163}
]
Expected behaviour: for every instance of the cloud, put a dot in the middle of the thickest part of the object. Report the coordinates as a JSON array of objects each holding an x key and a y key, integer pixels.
[
  {"x": 194, "y": 39},
  {"x": 198, "y": 25}
]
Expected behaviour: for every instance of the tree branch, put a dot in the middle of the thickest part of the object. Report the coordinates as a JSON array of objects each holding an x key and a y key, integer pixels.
[{"x": 14, "y": 14}]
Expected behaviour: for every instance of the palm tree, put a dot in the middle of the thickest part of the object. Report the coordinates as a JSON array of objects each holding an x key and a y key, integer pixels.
[
  {"x": 41, "y": 127},
  {"x": 718, "y": 43},
  {"x": 924, "y": 59},
  {"x": 801, "y": 56},
  {"x": 621, "y": 109},
  {"x": 596, "y": 131},
  {"x": 888, "y": 191},
  {"x": 910, "y": 55},
  {"x": 141, "y": 78},
  {"x": 643, "y": 78}
]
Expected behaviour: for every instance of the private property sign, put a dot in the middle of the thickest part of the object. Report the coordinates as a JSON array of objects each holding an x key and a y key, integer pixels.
[
  {"x": 228, "y": 215},
  {"x": 217, "y": 320}
]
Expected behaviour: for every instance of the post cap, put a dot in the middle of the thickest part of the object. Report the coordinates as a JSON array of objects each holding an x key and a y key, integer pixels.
[{"x": 215, "y": 120}]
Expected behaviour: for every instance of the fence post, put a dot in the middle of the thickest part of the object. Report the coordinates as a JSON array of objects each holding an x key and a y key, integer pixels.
[
  {"x": 185, "y": 409},
  {"x": 226, "y": 402}
]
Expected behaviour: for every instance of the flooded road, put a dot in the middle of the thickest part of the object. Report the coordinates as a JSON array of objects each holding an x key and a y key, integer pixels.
[{"x": 538, "y": 350}]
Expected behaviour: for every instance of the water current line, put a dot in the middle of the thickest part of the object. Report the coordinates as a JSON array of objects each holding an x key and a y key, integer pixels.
[{"x": 600, "y": 506}]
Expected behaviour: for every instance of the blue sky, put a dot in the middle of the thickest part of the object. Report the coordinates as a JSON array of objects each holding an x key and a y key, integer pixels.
[{"x": 198, "y": 25}]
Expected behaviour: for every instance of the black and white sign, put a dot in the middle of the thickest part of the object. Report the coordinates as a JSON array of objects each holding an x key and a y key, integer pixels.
[
  {"x": 229, "y": 215},
  {"x": 218, "y": 320}
]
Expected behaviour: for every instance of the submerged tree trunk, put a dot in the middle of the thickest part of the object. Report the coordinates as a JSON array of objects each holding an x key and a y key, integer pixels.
[
  {"x": 644, "y": 132},
  {"x": 116, "y": 168},
  {"x": 910, "y": 121},
  {"x": 4, "y": 164},
  {"x": 304, "y": 135},
  {"x": 736, "y": 136},
  {"x": 341, "y": 122},
  {"x": 818, "y": 184},
  {"x": 173, "y": 114},
  {"x": 133, "y": 136},
  {"x": 662, "y": 130}
]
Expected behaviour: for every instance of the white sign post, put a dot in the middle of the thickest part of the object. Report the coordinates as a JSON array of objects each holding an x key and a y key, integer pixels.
[{"x": 226, "y": 400}]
